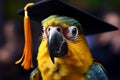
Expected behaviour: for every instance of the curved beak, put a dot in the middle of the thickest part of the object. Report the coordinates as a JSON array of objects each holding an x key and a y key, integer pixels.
[{"x": 57, "y": 45}]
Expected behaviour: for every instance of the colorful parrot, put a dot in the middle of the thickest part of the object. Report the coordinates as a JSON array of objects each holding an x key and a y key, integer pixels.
[{"x": 64, "y": 54}]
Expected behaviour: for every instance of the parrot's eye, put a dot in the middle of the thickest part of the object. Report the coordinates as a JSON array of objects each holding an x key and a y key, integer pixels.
[
  {"x": 72, "y": 33},
  {"x": 42, "y": 31},
  {"x": 59, "y": 29},
  {"x": 48, "y": 29}
]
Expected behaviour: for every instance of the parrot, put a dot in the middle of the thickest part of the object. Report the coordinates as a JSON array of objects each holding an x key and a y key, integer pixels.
[{"x": 64, "y": 54}]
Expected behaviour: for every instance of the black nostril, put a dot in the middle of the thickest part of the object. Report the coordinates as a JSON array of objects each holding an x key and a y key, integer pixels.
[{"x": 59, "y": 29}]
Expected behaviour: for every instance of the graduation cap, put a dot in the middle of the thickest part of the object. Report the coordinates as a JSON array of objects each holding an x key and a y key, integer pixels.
[{"x": 44, "y": 8}]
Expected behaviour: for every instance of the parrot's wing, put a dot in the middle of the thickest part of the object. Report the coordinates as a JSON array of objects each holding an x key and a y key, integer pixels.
[
  {"x": 36, "y": 75},
  {"x": 96, "y": 72}
]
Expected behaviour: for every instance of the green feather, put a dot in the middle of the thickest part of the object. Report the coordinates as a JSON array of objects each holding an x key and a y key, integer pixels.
[{"x": 51, "y": 20}]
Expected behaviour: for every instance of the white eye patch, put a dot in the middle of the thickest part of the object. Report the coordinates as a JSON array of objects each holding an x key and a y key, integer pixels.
[{"x": 72, "y": 33}]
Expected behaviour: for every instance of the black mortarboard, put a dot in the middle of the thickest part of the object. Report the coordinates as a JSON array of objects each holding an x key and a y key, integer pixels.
[{"x": 43, "y": 9}]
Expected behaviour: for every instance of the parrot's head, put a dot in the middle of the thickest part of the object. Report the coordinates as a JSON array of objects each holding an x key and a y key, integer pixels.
[{"x": 64, "y": 37}]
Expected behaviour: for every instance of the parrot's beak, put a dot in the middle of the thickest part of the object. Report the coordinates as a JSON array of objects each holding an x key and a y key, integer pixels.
[{"x": 57, "y": 45}]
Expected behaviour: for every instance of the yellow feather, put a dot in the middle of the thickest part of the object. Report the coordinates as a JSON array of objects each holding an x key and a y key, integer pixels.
[
  {"x": 73, "y": 66},
  {"x": 53, "y": 21}
]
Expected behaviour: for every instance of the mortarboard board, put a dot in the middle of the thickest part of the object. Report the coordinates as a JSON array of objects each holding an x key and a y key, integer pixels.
[
  {"x": 42, "y": 9},
  {"x": 45, "y": 8}
]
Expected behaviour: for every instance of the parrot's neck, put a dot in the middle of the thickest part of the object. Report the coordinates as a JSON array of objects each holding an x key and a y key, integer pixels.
[{"x": 73, "y": 66}]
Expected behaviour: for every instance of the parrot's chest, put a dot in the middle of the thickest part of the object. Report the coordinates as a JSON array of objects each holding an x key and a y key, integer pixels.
[{"x": 61, "y": 71}]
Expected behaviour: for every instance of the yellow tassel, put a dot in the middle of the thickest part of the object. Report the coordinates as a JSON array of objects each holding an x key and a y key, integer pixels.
[{"x": 26, "y": 58}]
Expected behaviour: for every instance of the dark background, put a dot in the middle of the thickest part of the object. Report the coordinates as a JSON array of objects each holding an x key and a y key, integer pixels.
[{"x": 8, "y": 11}]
